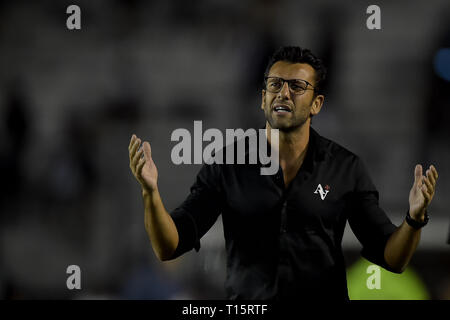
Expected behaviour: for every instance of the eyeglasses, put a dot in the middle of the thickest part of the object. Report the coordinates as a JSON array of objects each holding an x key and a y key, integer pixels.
[{"x": 297, "y": 86}]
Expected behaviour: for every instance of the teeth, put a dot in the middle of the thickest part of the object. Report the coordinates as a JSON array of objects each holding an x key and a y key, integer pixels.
[{"x": 281, "y": 109}]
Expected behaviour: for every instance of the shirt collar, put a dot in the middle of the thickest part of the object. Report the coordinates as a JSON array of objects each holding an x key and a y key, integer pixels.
[
  {"x": 319, "y": 146},
  {"x": 318, "y": 150}
]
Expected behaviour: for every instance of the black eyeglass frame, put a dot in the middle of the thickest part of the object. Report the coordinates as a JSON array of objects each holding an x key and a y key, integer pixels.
[{"x": 289, "y": 85}]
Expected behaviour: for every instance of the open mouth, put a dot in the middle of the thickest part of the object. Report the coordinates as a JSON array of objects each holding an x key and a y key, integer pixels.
[{"x": 281, "y": 109}]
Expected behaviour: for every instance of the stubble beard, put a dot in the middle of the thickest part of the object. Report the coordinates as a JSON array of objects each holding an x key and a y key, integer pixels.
[{"x": 287, "y": 126}]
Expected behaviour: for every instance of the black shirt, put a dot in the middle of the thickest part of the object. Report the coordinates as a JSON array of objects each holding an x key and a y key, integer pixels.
[{"x": 285, "y": 243}]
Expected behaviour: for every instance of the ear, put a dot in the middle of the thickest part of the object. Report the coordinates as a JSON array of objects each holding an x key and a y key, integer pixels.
[
  {"x": 263, "y": 99},
  {"x": 316, "y": 105}
]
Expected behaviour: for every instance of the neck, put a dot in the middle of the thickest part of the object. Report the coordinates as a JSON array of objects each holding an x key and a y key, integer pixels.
[{"x": 292, "y": 144}]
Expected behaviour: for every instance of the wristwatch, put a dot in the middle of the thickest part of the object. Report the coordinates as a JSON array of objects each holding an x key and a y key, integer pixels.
[{"x": 416, "y": 224}]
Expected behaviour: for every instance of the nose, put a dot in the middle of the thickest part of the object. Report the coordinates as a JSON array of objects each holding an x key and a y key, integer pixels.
[{"x": 284, "y": 93}]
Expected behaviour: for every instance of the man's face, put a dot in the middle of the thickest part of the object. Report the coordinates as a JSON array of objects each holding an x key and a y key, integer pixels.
[{"x": 300, "y": 106}]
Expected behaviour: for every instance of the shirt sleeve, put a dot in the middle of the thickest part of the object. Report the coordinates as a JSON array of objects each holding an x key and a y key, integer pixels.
[
  {"x": 368, "y": 221},
  {"x": 197, "y": 214}
]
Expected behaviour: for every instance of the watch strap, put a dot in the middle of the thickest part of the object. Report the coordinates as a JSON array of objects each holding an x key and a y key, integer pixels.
[{"x": 414, "y": 223}]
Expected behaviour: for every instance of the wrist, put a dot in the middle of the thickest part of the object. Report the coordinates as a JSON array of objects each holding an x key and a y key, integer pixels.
[
  {"x": 417, "y": 223},
  {"x": 147, "y": 194},
  {"x": 418, "y": 216}
]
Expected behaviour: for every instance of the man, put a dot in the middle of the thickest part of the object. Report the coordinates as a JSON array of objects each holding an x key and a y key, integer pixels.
[{"x": 283, "y": 233}]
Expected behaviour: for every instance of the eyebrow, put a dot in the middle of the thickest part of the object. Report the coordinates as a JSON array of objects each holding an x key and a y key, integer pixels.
[
  {"x": 310, "y": 83},
  {"x": 274, "y": 76}
]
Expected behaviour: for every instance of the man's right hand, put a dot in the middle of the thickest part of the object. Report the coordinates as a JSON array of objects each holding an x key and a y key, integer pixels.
[{"x": 143, "y": 167}]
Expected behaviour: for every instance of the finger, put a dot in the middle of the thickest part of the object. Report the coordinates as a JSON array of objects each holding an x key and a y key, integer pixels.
[
  {"x": 425, "y": 194},
  {"x": 131, "y": 146},
  {"x": 434, "y": 171},
  {"x": 139, "y": 167},
  {"x": 133, "y": 137},
  {"x": 430, "y": 187},
  {"x": 134, "y": 148},
  {"x": 430, "y": 176},
  {"x": 147, "y": 151},
  {"x": 417, "y": 174},
  {"x": 136, "y": 157}
]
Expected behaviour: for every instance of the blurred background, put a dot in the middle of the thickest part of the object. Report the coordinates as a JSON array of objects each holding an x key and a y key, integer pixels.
[{"x": 70, "y": 101}]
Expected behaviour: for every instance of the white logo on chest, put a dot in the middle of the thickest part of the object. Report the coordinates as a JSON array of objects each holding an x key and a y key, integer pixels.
[{"x": 323, "y": 193}]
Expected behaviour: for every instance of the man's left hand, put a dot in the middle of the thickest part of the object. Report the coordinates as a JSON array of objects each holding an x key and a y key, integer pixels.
[{"x": 422, "y": 192}]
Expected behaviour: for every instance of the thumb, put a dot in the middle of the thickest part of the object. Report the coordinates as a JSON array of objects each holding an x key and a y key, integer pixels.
[
  {"x": 417, "y": 174},
  {"x": 147, "y": 151}
]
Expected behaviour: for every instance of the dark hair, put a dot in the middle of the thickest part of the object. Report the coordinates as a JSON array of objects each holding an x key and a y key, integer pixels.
[{"x": 299, "y": 55}]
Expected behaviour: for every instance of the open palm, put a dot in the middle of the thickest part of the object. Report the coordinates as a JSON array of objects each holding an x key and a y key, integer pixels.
[
  {"x": 148, "y": 174},
  {"x": 422, "y": 191},
  {"x": 142, "y": 165}
]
